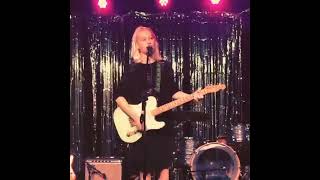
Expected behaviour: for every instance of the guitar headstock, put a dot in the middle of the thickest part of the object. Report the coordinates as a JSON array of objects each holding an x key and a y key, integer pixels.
[{"x": 213, "y": 88}]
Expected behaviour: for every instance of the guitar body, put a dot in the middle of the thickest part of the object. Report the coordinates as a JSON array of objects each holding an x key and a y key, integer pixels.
[{"x": 122, "y": 121}]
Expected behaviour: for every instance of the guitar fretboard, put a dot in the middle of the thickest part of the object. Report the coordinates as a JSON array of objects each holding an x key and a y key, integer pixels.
[{"x": 175, "y": 103}]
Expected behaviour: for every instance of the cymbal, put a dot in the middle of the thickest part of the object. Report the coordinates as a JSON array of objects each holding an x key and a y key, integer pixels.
[{"x": 189, "y": 116}]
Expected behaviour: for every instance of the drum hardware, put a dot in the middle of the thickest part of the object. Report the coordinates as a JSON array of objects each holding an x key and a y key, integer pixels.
[
  {"x": 214, "y": 160},
  {"x": 191, "y": 154},
  {"x": 240, "y": 133},
  {"x": 211, "y": 160},
  {"x": 180, "y": 173},
  {"x": 185, "y": 143},
  {"x": 246, "y": 174},
  {"x": 247, "y": 130},
  {"x": 209, "y": 174},
  {"x": 186, "y": 149}
]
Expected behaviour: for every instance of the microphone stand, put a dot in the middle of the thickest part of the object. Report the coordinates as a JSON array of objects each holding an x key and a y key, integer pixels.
[
  {"x": 142, "y": 117},
  {"x": 93, "y": 170}
]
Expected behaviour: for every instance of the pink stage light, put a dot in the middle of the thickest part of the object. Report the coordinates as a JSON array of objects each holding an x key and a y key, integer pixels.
[
  {"x": 102, "y": 7},
  {"x": 102, "y": 4},
  {"x": 163, "y": 2},
  {"x": 215, "y": 1}
]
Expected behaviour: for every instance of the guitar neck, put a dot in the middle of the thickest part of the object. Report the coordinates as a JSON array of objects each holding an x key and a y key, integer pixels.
[
  {"x": 178, "y": 102},
  {"x": 171, "y": 105}
]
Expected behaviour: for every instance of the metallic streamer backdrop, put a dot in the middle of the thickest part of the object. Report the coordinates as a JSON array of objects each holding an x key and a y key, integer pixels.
[{"x": 204, "y": 48}]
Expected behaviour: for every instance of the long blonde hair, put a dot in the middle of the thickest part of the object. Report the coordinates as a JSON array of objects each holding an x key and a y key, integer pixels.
[{"x": 134, "y": 54}]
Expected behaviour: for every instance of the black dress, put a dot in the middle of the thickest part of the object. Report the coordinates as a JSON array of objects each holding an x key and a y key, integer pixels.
[{"x": 154, "y": 150}]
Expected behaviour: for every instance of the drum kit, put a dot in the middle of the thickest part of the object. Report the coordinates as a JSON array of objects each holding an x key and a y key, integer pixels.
[{"x": 195, "y": 159}]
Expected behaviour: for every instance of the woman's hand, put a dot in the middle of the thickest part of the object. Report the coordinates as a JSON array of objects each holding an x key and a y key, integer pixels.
[{"x": 137, "y": 124}]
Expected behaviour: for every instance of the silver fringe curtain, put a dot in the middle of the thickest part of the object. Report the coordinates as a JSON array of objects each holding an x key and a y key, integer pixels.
[{"x": 204, "y": 48}]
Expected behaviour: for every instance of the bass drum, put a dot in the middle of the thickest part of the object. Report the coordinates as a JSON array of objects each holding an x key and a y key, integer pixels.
[{"x": 215, "y": 161}]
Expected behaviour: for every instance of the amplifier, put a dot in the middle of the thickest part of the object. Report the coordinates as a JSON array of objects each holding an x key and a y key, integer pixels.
[{"x": 97, "y": 168}]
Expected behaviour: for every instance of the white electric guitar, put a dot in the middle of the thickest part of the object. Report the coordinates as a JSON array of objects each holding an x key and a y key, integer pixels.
[{"x": 130, "y": 134}]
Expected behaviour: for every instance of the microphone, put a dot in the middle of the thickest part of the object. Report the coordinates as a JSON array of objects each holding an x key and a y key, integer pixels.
[{"x": 150, "y": 51}]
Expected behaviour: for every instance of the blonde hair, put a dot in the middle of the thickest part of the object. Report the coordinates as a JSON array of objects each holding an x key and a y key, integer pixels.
[{"x": 134, "y": 54}]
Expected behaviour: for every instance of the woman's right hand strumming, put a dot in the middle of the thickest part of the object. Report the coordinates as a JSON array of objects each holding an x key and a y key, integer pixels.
[
  {"x": 136, "y": 122},
  {"x": 134, "y": 119}
]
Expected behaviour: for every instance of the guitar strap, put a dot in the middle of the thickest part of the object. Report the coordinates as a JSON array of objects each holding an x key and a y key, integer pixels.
[
  {"x": 158, "y": 77},
  {"x": 156, "y": 80}
]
